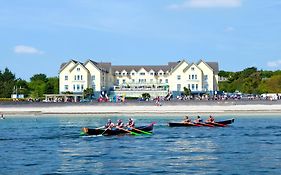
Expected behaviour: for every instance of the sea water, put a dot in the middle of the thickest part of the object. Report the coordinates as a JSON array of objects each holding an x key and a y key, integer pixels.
[{"x": 53, "y": 145}]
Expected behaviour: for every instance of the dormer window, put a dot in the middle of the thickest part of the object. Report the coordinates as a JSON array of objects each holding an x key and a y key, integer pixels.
[
  {"x": 192, "y": 68},
  {"x": 142, "y": 73},
  {"x": 124, "y": 73},
  {"x": 78, "y": 69}
]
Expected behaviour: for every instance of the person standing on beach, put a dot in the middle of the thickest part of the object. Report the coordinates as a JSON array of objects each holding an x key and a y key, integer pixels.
[{"x": 2, "y": 116}]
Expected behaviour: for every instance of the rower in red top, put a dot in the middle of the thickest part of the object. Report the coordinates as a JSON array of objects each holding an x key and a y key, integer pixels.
[
  {"x": 198, "y": 120},
  {"x": 131, "y": 123},
  {"x": 119, "y": 124},
  {"x": 211, "y": 119}
]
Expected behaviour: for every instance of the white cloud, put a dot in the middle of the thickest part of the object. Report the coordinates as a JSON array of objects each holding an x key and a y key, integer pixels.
[
  {"x": 22, "y": 49},
  {"x": 206, "y": 4},
  {"x": 229, "y": 29},
  {"x": 274, "y": 64}
]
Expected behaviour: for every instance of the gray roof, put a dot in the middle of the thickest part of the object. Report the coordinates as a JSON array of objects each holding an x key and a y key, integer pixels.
[
  {"x": 214, "y": 66},
  {"x": 155, "y": 68}
]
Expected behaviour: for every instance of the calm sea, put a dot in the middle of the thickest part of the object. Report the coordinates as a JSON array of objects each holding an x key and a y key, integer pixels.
[{"x": 52, "y": 145}]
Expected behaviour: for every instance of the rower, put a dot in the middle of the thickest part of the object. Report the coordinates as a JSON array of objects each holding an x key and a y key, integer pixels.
[
  {"x": 198, "y": 120},
  {"x": 187, "y": 120},
  {"x": 109, "y": 124},
  {"x": 211, "y": 119},
  {"x": 119, "y": 124},
  {"x": 131, "y": 123}
]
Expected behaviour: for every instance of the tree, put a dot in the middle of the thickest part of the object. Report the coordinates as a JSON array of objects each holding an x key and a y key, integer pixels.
[
  {"x": 52, "y": 85},
  {"x": 146, "y": 96},
  {"x": 22, "y": 87},
  {"x": 7, "y": 83},
  {"x": 186, "y": 91},
  {"x": 87, "y": 93},
  {"x": 38, "y": 85}
]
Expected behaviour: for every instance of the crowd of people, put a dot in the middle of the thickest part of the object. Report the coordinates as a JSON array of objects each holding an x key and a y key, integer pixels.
[{"x": 211, "y": 119}]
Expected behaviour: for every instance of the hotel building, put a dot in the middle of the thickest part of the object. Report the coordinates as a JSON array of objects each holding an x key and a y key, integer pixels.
[{"x": 130, "y": 80}]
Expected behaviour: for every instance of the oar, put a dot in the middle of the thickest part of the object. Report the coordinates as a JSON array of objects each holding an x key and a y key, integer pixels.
[
  {"x": 141, "y": 131},
  {"x": 103, "y": 132},
  {"x": 205, "y": 124},
  {"x": 192, "y": 124},
  {"x": 131, "y": 132},
  {"x": 218, "y": 124}
]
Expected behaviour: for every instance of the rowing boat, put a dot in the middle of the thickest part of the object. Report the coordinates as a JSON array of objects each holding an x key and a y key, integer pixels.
[
  {"x": 116, "y": 131},
  {"x": 184, "y": 124}
]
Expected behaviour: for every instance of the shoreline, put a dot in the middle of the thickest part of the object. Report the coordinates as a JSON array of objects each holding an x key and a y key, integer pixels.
[{"x": 146, "y": 109}]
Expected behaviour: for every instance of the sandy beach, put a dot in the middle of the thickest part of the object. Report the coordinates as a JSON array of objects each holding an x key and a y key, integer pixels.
[{"x": 175, "y": 108}]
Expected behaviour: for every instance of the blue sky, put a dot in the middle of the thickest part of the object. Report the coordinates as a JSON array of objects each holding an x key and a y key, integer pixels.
[{"x": 37, "y": 36}]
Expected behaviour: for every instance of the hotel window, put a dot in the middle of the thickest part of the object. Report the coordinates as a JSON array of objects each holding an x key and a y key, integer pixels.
[
  {"x": 151, "y": 73},
  {"x": 94, "y": 87},
  {"x": 160, "y": 80},
  {"x": 124, "y": 81},
  {"x": 78, "y": 77},
  {"x": 133, "y": 73},
  {"x": 93, "y": 77},
  {"x": 133, "y": 80},
  {"x": 196, "y": 86},
  {"x": 166, "y": 80},
  {"x": 78, "y": 87},
  {"x": 124, "y": 73},
  {"x": 116, "y": 73},
  {"x": 160, "y": 73},
  {"x": 178, "y": 77},
  {"x": 117, "y": 81},
  {"x": 66, "y": 77},
  {"x": 195, "y": 77},
  {"x": 192, "y": 77},
  {"x": 178, "y": 87},
  {"x": 120, "y": 73},
  {"x": 192, "y": 68},
  {"x": 192, "y": 86},
  {"x": 74, "y": 77},
  {"x": 78, "y": 69},
  {"x": 74, "y": 87},
  {"x": 205, "y": 77},
  {"x": 82, "y": 87},
  {"x": 142, "y": 73},
  {"x": 188, "y": 86},
  {"x": 66, "y": 87},
  {"x": 81, "y": 77}
]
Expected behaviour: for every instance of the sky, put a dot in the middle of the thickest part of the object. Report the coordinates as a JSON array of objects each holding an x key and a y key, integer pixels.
[{"x": 38, "y": 36}]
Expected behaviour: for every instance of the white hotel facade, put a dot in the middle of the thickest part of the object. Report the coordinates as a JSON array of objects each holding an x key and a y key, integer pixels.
[{"x": 200, "y": 77}]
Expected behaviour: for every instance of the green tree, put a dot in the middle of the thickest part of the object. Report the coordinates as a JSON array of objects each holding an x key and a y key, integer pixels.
[
  {"x": 186, "y": 91},
  {"x": 145, "y": 96},
  {"x": 38, "y": 85},
  {"x": 52, "y": 85},
  {"x": 22, "y": 87},
  {"x": 87, "y": 93},
  {"x": 7, "y": 83}
]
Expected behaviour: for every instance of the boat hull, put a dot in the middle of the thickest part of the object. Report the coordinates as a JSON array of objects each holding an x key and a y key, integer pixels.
[
  {"x": 115, "y": 131},
  {"x": 219, "y": 123}
]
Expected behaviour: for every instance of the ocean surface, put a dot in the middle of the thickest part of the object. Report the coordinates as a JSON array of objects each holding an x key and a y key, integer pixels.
[{"x": 53, "y": 145}]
